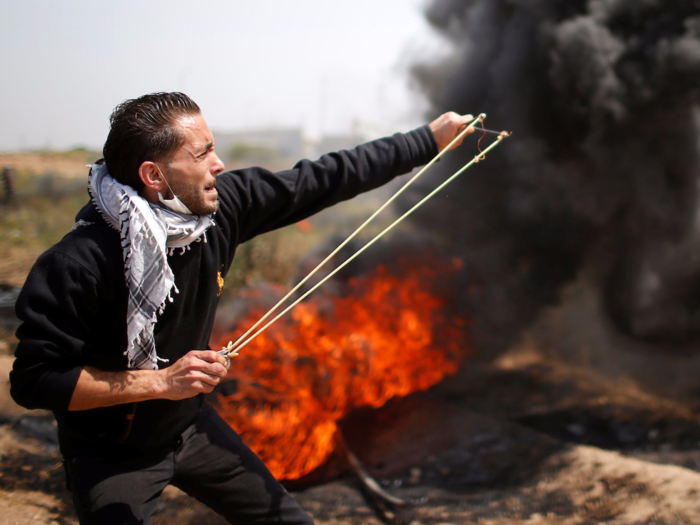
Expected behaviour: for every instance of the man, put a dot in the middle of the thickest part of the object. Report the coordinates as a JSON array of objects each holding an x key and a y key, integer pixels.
[{"x": 116, "y": 315}]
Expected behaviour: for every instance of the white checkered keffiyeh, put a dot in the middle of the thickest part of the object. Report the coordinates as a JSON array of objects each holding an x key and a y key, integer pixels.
[{"x": 148, "y": 231}]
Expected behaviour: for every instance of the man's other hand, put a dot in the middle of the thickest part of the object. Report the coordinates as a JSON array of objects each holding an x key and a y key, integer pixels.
[
  {"x": 197, "y": 372},
  {"x": 447, "y": 126}
]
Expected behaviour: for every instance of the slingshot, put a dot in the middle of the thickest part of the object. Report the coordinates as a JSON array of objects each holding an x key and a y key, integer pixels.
[{"x": 232, "y": 349}]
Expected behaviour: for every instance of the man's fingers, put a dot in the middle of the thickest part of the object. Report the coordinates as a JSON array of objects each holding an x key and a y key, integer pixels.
[
  {"x": 448, "y": 126},
  {"x": 209, "y": 356},
  {"x": 210, "y": 379},
  {"x": 217, "y": 369},
  {"x": 466, "y": 120},
  {"x": 204, "y": 386},
  {"x": 463, "y": 127},
  {"x": 206, "y": 355},
  {"x": 193, "y": 379},
  {"x": 459, "y": 121}
]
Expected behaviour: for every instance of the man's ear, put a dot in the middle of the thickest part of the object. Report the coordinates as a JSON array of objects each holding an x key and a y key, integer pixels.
[{"x": 151, "y": 177}]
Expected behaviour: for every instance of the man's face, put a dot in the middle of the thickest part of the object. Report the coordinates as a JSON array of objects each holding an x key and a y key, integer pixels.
[{"x": 193, "y": 169}]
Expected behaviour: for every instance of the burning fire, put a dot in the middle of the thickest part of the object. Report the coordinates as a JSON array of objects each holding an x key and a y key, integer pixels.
[{"x": 388, "y": 337}]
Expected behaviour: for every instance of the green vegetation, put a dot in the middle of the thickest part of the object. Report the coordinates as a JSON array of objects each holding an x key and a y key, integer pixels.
[
  {"x": 42, "y": 212},
  {"x": 274, "y": 257},
  {"x": 45, "y": 206},
  {"x": 85, "y": 155},
  {"x": 253, "y": 155},
  {"x": 271, "y": 258}
]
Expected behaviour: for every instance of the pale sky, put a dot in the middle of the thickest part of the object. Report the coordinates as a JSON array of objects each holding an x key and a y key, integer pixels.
[{"x": 249, "y": 64}]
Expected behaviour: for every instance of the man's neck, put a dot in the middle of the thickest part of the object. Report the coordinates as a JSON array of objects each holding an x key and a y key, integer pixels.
[{"x": 149, "y": 194}]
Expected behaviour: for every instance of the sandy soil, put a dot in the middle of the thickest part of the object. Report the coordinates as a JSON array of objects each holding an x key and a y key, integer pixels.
[
  {"x": 40, "y": 163},
  {"x": 528, "y": 439},
  {"x": 15, "y": 263},
  {"x": 455, "y": 458}
]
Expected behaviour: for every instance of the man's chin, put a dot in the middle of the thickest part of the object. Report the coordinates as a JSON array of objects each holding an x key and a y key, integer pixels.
[
  {"x": 204, "y": 208},
  {"x": 213, "y": 207}
]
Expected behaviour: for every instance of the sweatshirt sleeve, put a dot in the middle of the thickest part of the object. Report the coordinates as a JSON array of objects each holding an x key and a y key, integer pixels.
[
  {"x": 259, "y": 200},
  {"x": 57, "y": 306}
]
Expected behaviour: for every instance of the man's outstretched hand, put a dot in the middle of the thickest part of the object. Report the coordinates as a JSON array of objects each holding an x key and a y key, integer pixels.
[{"x": 447, "y": 126}]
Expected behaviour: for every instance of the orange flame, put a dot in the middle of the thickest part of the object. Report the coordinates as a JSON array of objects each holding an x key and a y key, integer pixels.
[
  {"x": 389, "y": 337},
  {"x": 305, "y": 225}
]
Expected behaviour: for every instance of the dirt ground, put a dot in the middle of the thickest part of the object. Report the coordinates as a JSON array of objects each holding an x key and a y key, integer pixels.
[
  {"x": 538, "y": 436},
  {"x": 518, "y": 441},
  {"x": 61, "y": 164}
]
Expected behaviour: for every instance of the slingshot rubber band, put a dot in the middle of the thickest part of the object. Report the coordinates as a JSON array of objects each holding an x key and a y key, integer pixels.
[
  {"x": 482, "y": 155},
  {"x": 460, "y": 136}
]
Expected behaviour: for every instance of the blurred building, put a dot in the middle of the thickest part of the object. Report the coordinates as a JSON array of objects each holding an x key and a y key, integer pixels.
[
  {"x": 274, "y": 145},
  {"x": 284, "y": 142},
  {"x": 330, "y": 143}
]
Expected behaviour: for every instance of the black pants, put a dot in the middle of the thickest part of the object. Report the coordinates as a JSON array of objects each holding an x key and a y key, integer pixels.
[{"x": 211, "y": 463}]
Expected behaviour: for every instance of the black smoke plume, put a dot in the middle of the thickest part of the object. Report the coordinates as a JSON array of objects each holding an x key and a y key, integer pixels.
[{"x": 602, "y": 97}]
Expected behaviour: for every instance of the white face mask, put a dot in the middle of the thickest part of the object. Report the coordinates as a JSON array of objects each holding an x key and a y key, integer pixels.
[{"x": 174, "y": 204}]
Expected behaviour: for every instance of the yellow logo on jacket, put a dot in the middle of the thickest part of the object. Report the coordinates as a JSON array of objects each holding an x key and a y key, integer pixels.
[{"x": 220, "y": 282}]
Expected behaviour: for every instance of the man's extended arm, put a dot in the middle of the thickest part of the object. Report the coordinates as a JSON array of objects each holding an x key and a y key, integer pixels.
[{"x": 254, "y": 200}]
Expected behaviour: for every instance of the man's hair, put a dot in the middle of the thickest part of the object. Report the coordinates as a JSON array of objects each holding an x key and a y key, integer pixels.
[{"x": 143, "y": 129}]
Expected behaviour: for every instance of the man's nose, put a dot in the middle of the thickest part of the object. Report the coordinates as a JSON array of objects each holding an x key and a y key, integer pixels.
[{"x": 218, "y": 166}]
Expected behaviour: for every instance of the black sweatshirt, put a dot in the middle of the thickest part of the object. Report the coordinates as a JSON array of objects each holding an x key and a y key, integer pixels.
[{"x": 73, "y": 304}]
